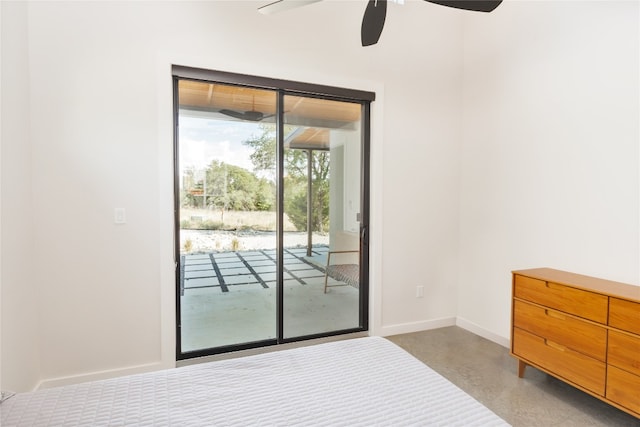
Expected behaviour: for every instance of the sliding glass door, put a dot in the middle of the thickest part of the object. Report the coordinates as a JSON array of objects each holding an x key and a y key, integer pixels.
[
  {"x": 271, "y": 212},
  {"x": 322, "y": 198},
  {"x": 227, "y": 215}
]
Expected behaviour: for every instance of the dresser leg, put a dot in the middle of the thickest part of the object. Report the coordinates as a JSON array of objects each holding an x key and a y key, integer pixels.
[{"x": 521, "y": 366}]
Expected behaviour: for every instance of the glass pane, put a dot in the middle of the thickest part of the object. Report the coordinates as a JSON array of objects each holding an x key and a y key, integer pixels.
[
  {"x": 321, "y": 205},
  {"x": 226, "y": 152}
]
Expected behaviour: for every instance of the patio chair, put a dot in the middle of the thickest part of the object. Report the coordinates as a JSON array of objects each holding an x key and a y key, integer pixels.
[{"x": 347, "y": 274}]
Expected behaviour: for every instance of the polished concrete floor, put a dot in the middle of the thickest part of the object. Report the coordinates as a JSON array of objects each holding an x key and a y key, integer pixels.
[{"x": 487, "y": 372}]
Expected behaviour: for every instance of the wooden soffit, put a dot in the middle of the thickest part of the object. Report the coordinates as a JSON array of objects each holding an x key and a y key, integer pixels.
[{"x": 215, "y": 99}]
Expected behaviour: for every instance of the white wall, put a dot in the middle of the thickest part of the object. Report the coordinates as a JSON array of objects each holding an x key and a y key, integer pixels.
[
  {"x": 423, "y": 95},
  {"x": 550, "y": 158},
  {"x": 99, "y": 127},
  {"x": 20, "y": 353},
  {"x": 509, "y": 142}
]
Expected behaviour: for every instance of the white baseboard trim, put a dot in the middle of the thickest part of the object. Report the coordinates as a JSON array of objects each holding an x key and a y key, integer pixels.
[
  {"x": 100, "y": 375},
  {"x": 480, "y": 331},
  {"x": 402, "y": 328},
  {"x": 406, "y": 328}
]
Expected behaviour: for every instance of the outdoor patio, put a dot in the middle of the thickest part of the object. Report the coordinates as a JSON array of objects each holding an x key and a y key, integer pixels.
[
  {"x": 230, "y": 297},
  {"x": 241, "y": 270}
]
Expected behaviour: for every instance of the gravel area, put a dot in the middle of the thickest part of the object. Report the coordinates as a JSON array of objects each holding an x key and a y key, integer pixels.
[{"x": 221, "y": 241}]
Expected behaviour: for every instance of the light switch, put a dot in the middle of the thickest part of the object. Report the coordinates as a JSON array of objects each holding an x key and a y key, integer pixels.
[{"x": 119, "y": 216}]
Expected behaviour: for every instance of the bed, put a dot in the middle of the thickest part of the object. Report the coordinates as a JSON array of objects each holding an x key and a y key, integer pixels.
[{"x": 358, "y": 382}]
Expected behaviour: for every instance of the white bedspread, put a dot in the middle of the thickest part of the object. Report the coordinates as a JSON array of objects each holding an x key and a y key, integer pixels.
[{"x": 359, "y": 382}]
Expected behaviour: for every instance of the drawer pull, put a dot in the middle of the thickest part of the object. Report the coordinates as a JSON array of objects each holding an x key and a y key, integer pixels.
[
  {"x": 554, "y": 345},
  {"x": 554, "y": 315}
]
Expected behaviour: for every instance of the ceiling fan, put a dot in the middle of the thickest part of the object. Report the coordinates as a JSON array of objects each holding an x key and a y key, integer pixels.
[
  {"x": 376, "y": 12},
  {"x": 250, "y": 115}
]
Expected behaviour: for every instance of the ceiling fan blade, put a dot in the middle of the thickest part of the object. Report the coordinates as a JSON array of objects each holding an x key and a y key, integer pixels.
[
  {"x": 253, "y": 116},
  {"x": 373, "y": 22},
  {"x": 250, "y": 116},
  {"x": 282, "y": 5},
  {"x": 233, "y": 113},
  {"x": 474, "y": 5}
]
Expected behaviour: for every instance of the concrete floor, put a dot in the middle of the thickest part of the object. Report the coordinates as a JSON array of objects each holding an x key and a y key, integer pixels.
[
  {"x": 230, "y": 298},
  {"x": 243, "y": 310},
  {"x": 487, "y": 372},
  {"x": 212, "y": 319}
]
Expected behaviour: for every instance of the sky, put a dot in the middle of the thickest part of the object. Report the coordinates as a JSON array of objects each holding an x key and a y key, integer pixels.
[{"x": 202, "y": 140}]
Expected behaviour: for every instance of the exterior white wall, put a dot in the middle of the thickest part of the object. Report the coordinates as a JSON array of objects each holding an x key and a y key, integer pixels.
[
  {"x": 550, "y": 153},
  {"x": 345, "y": 189},
  {"x": 336, "y": 193},
  {"x": 351, "y": 182},
  {"x": 344, "y": 194}
]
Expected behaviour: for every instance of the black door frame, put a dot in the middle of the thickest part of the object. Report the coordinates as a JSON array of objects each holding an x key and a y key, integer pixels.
[{"x": 282, "y": 88}]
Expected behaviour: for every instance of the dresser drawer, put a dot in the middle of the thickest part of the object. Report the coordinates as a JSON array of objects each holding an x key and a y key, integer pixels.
[
  {"x": 625, "y": 314},
  {"x": 623, "y": 388},
  {"x": 624, "y": 352},
  {"x": 588, "y": 305},
  {"x": 575, "y": 334},
  {"x": 570, "y": 365}
]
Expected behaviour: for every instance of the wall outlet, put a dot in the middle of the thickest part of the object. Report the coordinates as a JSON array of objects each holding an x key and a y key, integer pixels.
[
  {"x": 419, "y": 291},
  {"x": 119, "y": 216}
]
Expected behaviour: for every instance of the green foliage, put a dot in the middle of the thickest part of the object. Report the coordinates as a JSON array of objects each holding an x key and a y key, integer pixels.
[
  {"x": 265, "y": 196},
  {"x": 296, "y": 171},
  {"x": 295, "y": 196},
  {"x": 295, "y": 204},
  {"x": 232, "y": 187},
  {"x": 264, "y": 149},
  {"x": 227, "y": 187}
]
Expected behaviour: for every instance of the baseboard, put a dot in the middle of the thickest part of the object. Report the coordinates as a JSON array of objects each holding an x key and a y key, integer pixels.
[
  {"x": 100, "y": 375},
  {"x": 480, "y": 331},
  {"x": 402, "y": 328},
  {"x": 406, "y": 328}
]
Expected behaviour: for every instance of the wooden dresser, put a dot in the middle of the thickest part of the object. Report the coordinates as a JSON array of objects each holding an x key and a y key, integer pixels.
[{"x": 580, "y": 329}]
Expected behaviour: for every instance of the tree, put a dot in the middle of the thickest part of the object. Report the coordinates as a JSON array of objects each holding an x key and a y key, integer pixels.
[
  {"x": 235, "y": 188},
  {"x": 226, "y": 187},
  {"x": 192, "y": 192},
  {"x": 295, "y": 192},
  {"x": 264, "y": 150}
]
